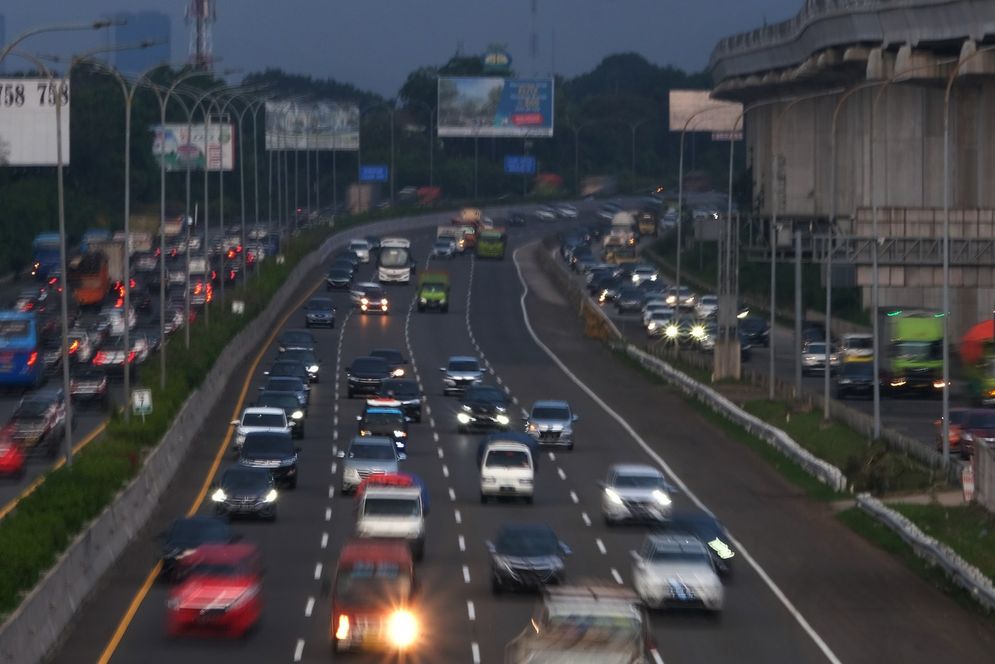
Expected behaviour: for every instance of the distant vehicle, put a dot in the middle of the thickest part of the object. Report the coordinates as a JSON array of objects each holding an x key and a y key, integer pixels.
[
  {"x": 629, "y": 299},
  {"x": 641, "y": 273},
  {"x": 406, "y": 480},
  {"x": 507, "y": 467},
  {"x": 394, "y": 261},
  {"x": 399, "y": 393},
  {"x": 756, "y": 330},
  {"x": 453, "y": 233},
  {"x": 273, "y": 451},
  {"x": 682, "y": 298},
  {"x": 393, "y": 512},
  {"x": 259, "y": 418},
  {"x": 460, "y": 372},
  {"x": 46, "y": 255},
  {"x": 394, "y": 358},
  {"x": 707, "y": 306},
  {"x": 291, "y": 408},
  {"x": 433, "y": 290},
  {"x": 296, "y": 340},
  {"x": 374, "y": 300},
  {"x": 978, "y": 427},
  {"x": 665, "y": 557},
  {"x": 183, "y": 537},
  {"x": 551, "y": 423},
  {"x": 20, "y": 350},
  {"x": 338, "y": 278},
  {"x": 857, "y": 347},
  {"x": 635, "y": 492},
  {"x": 367, "y": 456},
  {"x": 362, "y": 249},
  {"x": 319, "y": 311},
  {"x": 297, "y": 386},
  {"x": 516, "y": 219},
  {"x": 12, "y": 458},
  {"x": 492, "y": 243},
  {"x": 89, "y": 278},
  {"x": 526, "y": 556},
  {"x": 444, "y": 248},
  {"x": 285, "y": 368},
  {"x": 854, "y": 379},
  {"x": 39, "y": 423},
  {"x": 961, "y": 441},
  {"x": 814, "y": 358},
  {"x": 483, "y": 407},
  {"x": 89, "y": 386},
  {"x": 303, "y": 358},
  {"x": 385, "y": 422},
  {"x": 245, "y": 492}
]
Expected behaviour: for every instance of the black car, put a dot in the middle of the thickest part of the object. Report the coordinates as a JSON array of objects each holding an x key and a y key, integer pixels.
[
  {"x": 374, "y": 301},
  {"x": 366, "y": 374},
  {"x": 394, "y": 359},
  {"x": 184, "y": 535},
  {"x": 338, "y": 278},
  {"x": 344, "y": 256},
  {"x": 483, "y": 407},
  {"x": 526, "y": 556},
  {"x": 52, "y": 355},
  {"x": 400, "y": 393},
  {"x": 629, "y": 298},
  {"x": 711, "y": 532},
  {"x": 88, "y": 386},
  {"x": 516, "y": 219},
  {"x": 385, "y": 422},
  {"x": 305, "y": 358},
  {"x": 245, "y": 491},
  {"x": 290, "y": 404},
  {"x": 273, "y": 451},
  {"x": 855, "y": 379},
  {"x": 296, "y": 340},
  {"x": 297, "y": 386},
  {"x": 756, "y": 330},
  {"x": 289, "y": 369},
  {"x": 319, "y": 311}
]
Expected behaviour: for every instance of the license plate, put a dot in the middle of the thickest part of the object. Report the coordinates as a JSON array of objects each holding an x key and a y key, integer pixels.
[{"x": 507, "y": 489}]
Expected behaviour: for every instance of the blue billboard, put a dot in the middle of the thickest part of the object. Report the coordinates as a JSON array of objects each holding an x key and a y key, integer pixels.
[
  {"x": 519, "y": 164},
  {"x": 374, "y": 173},
  {"x": 496, "y": 107}
]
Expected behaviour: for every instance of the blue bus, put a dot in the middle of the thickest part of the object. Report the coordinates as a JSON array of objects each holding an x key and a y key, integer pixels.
[
  {"x": 93, "y": 235},
  {"x": 45, "y": 255},
  {"x": 21, "y": 363}
]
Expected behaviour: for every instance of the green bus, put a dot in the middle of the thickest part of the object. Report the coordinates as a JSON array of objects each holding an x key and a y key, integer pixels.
[{"x": 491, "y": 243}]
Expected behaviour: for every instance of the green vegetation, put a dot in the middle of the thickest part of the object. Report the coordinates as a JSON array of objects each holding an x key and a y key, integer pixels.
[{"x": 967, "y": 529}]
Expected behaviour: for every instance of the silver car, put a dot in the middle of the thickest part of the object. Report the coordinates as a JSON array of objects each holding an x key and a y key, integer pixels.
[
  {"x": 635, "y": 492},
  {"x": 367, "y": 456},
  {"x": 814, "y": 359},
  {"x": 460, "y": 372},
  {"x": 551, "y": 423}
]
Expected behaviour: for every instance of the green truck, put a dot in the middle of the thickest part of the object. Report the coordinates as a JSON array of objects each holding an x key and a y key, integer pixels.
[
  {"x": 433, "y": 290},
  {"x": 914, "y": 356},
  {"x": 491, "y": 243}
]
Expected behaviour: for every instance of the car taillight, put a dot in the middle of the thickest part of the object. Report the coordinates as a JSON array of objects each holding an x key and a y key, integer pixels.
[
  {"x": 131, "y": 357},
  {"x": 74, "y": 346},
  {"x": 342, "y": 628},
  {"x": 32, "y": 358},
  {"x": 100, "y": 358}
]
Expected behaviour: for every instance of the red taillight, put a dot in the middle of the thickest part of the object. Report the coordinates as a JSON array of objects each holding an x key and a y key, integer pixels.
[
  {"x": 231, "y": 253},
  {"x": 28, "y": 306},
  {"x": 158, "y": 252},
  {"x": 32, "y": 358},
  {"x": 231, "y": 275},
  {"x": 100, "y": 358},
  {"x": 119, "y": 304},
  {"x": 74, "y": 346},
  {"x": 342, "y": 628},
  {"x": 198, "y": 289},
  {"x": 131, "y": 357}
]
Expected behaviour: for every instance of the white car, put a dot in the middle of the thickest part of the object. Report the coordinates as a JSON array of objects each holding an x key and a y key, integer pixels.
[
  {"x": 566, "y": 210},
  {"x": 707, "y": 306},
  {"x": 857, "y": 346},
  {"x": 642, "y": 273},
  {"x": 814, "y": 358},
  {"x": 658, "y": 321},
  {"x": 506, "y": 469},
  {"x": 361, "y": 248},
  {"x": 655, "y": 307},
  {"x": 635, "y": 492},
  {"x": 675, "y": 570},
  {"x": 115, "y": 318},
  {"x": 81, "y": 346},
  {"x": 394, "y": 513},
  {"x": 260, "y": 418},
  {"x": 545, "y": 213}
]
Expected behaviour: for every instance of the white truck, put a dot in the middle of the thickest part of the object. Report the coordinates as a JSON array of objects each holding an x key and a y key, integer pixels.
[
  {"x": 393, "y": 512},
  {"x": 623, "y": 229}
]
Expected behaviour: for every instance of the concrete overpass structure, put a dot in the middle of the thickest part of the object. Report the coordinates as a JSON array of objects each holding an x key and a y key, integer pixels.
[{"x": 832, "y": 47}]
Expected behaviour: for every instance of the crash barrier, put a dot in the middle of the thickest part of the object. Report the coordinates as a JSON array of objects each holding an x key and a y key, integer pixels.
[
  {"x": 984, "y": 474},
  {"x": 933, "y": 552},
  {"x": 32, "y": 630},
  {"x": 821, "y": 470},
  {"x": 597, "y": 324}
]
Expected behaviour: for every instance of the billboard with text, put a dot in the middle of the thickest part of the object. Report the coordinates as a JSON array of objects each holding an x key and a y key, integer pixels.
[
  {"x": 496, "y": 107},
  {"x": 27, "y": 122},
  {"x": 184, "y": 146},
  {"x": 292, "y": 125},
  {"x": 696, "y": 110}
]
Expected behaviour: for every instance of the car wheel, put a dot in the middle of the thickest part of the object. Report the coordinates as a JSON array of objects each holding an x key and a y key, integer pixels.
[{"x": 570, "y": 446}]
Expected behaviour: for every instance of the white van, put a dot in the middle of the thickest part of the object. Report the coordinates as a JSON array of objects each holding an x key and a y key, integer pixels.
[
  {"x": 395, "y": 513},
  {"x": 507, "y": 468}
]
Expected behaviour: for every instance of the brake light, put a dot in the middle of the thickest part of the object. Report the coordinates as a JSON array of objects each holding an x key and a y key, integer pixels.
[
  {"x": 342, "y": 630},
  {"x": 33, "y": 358},
  {"x": 131, "y": 357},
  {"x": 231, "y": 275},
  {"x": 28, "y": 306},
  {"x": 74, "y": 346}
]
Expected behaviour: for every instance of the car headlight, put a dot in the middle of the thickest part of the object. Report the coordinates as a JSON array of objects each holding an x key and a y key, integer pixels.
[
  {"x": 698, "y": 331},
  {"x": 635, "y": 278},
  {"x": 672, "y": 331},
  {"x": 402, "y": 629},
  {"x": 721, "y": 549},
  {"x": 503, "y": 420},
  {"x": 297, "y": 415},
  {"x": 613, "y": 496},
  {"x": 422, "y": 300},
  {"x": 662, "y": 498},
  {"x": 219, "y": 496},
  {"x": 383, "y": 302},
  {"x": 532, "y": 428},
  {"x": 463, "y": 418},
  {"x": 313, "y": 368},
  {"x": 363, "y": 301},
  {"x": 651, "y": 325},
  {"x": 653, "y": 277},
  {"x": 397, "y": 373},
  {"x": 400, "y": 434},
  {"x": 270, "y": 497}
]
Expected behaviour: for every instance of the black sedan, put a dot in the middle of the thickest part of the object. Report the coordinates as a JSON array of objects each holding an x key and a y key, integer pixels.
[
  {"x": 183, "y": 537},
  {"x": 305, "y": 358},
  {"x": 400, "y": 393},
  {"x": 855, "y": 379},
  {"x": 245, "y": 491},
  {"x": 394, "y": 359},
  {"x": 366, "y": 374},
  {"x": 526, "y": 556},
  {"x": 711, "y": 532},
  {"x": 274, "y": 452},
  {"x": 290, "y": 404},
  {"x": 319, "y": 311},
  {"x": 296, "y": 340},
  {"x": 297, "y": 386},
  {"x": 756, "y": 330},
  {"x": 338, "y": 278},
  {"x": 483, "y": 407},
  {"x": 629, "y": 299},
  {"x": 289, "y": 369}
]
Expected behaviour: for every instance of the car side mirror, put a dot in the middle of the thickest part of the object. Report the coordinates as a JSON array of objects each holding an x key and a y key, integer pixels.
[
  {"x": 340, "y": 454},
  {"x": 442, "y": 369},
  {"x": 234, "y": 423},
  {"x": 565, "y": 549}
]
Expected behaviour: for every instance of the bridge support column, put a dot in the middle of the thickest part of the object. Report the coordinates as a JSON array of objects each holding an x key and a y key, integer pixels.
[{"x": 727, "y": 360}]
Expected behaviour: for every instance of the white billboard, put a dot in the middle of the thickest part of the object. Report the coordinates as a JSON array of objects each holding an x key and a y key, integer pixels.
[
  {"x": 27, "y": 121},
  {"x": 696, "y": 110},
  {"x": 311, "y": 126},
  {"x": 184, "y": 146}
]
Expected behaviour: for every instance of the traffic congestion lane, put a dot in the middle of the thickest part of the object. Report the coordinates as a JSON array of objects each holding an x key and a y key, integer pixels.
[{"x": 866, "y": 605}]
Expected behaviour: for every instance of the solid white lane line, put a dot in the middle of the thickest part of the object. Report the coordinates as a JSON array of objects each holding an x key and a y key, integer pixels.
[
  {"x": 656, "y": 656},
  {"x": 317, "y": 571},
  {"x": 617, "y": 576},
  {"x": 774, "y": 588},
  {"x": 563, "y": 475},
  {"x": 574, "y": 497},
  {"x": 476, "y": 652},
  {"x": 470, "y": 610},
  {"x": 466, "y": 574},
  {"x": 452, "y": 495},
  {"x": 299, "y": 650},
  {"x": 462, "y": 544},
  {"x": 601, "y": 546},
  {"x": 587, "y": 519},
  {"x": 458, "y": 517},
  {"x": 335, "y": 467},
  {"x": 324, "y": 540},
  {"x": 309, "y": 608}
]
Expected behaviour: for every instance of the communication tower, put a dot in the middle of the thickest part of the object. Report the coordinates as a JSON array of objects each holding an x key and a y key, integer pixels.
[{"x": 200, "y": 17}]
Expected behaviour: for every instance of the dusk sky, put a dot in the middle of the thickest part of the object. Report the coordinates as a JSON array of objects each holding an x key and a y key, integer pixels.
[{"x": 375, "y": 43}]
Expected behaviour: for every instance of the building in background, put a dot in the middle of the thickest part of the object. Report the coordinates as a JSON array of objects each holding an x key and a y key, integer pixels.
[
  {"x": 140, "y": 27},
  {"x": 3, "y": 37}
]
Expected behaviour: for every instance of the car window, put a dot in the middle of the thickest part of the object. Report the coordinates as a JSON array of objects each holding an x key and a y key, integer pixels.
[
  {"x": 267, "y": 446},
  {"x": 263, "y": 420},
  {"x": 550, "y": 413},
  {"x": 637, "y": 481},
  {"x": 369, "y": 365},
  {"x": 391, "y": 507},
  {"x": 527, "y": 542},
  {"x": 383, "y": 418},
  {"x": 375, "y": 452},
  {"x": 244, "y": 479},
  {"x": 507, "y": 459},
  {"x": 464, "y": 365}
]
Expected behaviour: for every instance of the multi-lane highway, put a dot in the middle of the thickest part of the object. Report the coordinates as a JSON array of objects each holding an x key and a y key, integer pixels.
[{"x": 805, "y": 589}]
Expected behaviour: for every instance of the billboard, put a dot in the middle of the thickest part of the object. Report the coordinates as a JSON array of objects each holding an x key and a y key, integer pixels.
[
  {"x": 519, "y": 164},
  {"x": 374, "y": 173},
  {"x": 495, "y": 107},
  {"x": 27, "y": 121},
  {"x": 696, "y": 110},
  {"x": 184, "y": 146},
  {"x": 292, "y": 125}
]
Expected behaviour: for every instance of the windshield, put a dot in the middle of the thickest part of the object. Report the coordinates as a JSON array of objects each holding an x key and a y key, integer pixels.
[
  {"x": 527, "y": 542},
  {"x": 918, "y": 351},
  {"x": 507, "y": 459},
  {"x": 464, "y": 365},
  {"x": 369, "y": 365},
  {"x": 218, "y": 569},
  {"x": 752, "y": 324},
  {"x": 243, "y": 479},
  {"x": 285, "y": 384},
  {"x": 372, "y": 583},
  {"x": 339, "y": 273},
  {"x": 433, "y": 287},
  {"x": 320, "y": 305},
  {"x": 375, "y": 452},
  {"x": 303, "y": 356},
  {"x": 287, "y": 369},
  {"x": 862, "y": 343},
  {"x": 489, "y": 394},
  {"x": 392, "y": 507},
  {"x": 296, "y": 339},
  {"x": 394, "y": 257},
  {"x": 263, "y": 420},
  {"x": 443, "y": 244},
  {"x": 816, "y": 349},
  {"x": 383, "y": 419},
  {"x": 638, "y": 481},
  {"x": 549, "y": 413},
  {"x": 672, "y": 555}
]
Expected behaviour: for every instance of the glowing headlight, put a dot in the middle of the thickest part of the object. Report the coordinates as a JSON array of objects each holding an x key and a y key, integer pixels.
[
  {"x": 270, "y": 497},
  {"x": 313, "y": 368},
  {"x": 422, "y": 300},
  {"x": 297, "y": 415},
  {"x": 652, "y": 325},
  {"x": 532, "y": 428},
  {"x": 400, "y": 434},
  {"x": 219, "y": 496},
  {"x": 463, "y": 418},
  {"x": 384, "y": 302},
  {"x": 635, "y": 278},
  {"x": 672, "y": 332},
  {"x": 363, "y": 300},
  {"x": 502, "y": 420},
  {"x": 397, "y": 372},
  {"x": 402, "y": 629},
  {"x": 721, "y": 549},
  {"x": 671, "y": 299},
  {"x": 698, "y": 331},
  {"x": 661, "y": 497},
  {"x": 653, "y": 277},
  {"x": 613, "y": 496}
]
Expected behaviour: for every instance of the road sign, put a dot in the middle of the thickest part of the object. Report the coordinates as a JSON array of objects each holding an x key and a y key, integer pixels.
[
  {"x": 521, "y": 164},
  {"x": 727, "y": 135},
  {"x": 967, "y": 482},
  {"x": 141, "y": 401},
  {"x": 374, "y": 173}
]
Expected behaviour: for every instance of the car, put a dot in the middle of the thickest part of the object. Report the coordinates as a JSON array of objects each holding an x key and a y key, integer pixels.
[
  {"x": 38, "y": 423},
  {"x": 483, "y": 407},
  {"x": 394, "y": 359},
  {"x": 245, "y": 491},
  {"x": 32, "y": 299},
  {"x": 658, "y": 322},
  {"x": 296, "y": 340},
  {"x": 857, "y": 347},
  {"x": 361, "y": 248},
  {"x": 958, "y": 419},
  {"x": 400, "y": 393},
  {"x": 635, "y": 492},
  {"x": 395, "y": 479},
  {"x": 358, "y": 291},
  {"x": 51, "y": 355},
  {"x": 565, "y": 210},
  {"x": 854, "y": 378},
  {"x": 444, "y": 248},
  {"x": 367, "y": 456},
  {"x": 274, "y": 451},
  {"x": 387, "y": 423},
  {"x": 551, "y": 423},
  {"x": 81, "y": 346},
  {"x": 392, "y": 512},
  {"x": 682, "y": 298},
  {"x": 756, "y": 330},
  {"x": 708, "y": 305},
  {"x": 259, "y": 418},
  {"x": 814, "y": 358},
  {"x": 460, "y": 372},
  {"x": 629, "y": 299},
  {"x": 286, "y": 401},
  {"x": 374, "y": 301},
  {"x": 516, "y": 219},
  {"x": 675, "y": 570},
  {"x": 89, "y": 386},
  {"x": 644, "y": 273},
  {"x": 656, "y": 306},
  {"x": 374, "y": 242},
  {"x": 183, "y": 537},
  {"x": 338, "y": 278},
  {"x": 507, "y": 463},
  {"x": 221, "y": 592},
  {"x": 113, "y": 356},
  {"x": 526, "y": 556},
  {"x": 346, "y": 256},
  {"x": 297, "y": 386},
  {"x": 116, "y": 318},
  {"x": 366, "y": 374},
  {"x": 303, "y": 358},
  {"x": 545, "y": 213},
  {"x": 12, "y": 459},
  {"x": 712, "y": 533},
  {"x": 813, "y": 332},
  {"x": 371, "y": 596},
  {"x": 282, "y": 368},
  {"x": 319, "y": 311}
]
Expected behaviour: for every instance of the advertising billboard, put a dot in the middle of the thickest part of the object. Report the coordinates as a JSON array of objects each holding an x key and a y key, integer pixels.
[
  {"x": 292, "y": 125},
  {"x": 496, "y": 107},
  {"x": 183, "y": 146},
  {"x": 696, "y": 110},
  {"x": 27, "y": 121}
]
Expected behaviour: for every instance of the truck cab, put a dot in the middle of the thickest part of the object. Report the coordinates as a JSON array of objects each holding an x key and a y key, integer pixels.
[{"x": 433, "y": 291}]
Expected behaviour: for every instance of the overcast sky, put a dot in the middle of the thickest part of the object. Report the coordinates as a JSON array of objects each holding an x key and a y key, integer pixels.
[{"x": 375, "y": 43}]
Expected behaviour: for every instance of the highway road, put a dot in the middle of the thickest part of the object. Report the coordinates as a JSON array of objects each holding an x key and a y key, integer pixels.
[{"x": 805, "y": 589}]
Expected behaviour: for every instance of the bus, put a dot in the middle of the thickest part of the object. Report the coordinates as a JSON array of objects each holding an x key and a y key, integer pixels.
[
  {"x": 20, "y": 350},
  {"x": 394, "y": 263},
  {"x": 491, "y": 243},
  {"x": 46, "y": 255},
  {"x": 89, "y": 277}
]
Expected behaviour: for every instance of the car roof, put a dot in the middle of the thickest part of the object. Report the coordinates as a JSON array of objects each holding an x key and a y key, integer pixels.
[
  {"x": 551, "y": 403},
  {"x": 223, "y": 553},
  {"x": 462, "y": 358},
  {"x": 676, "y": 543},
  {"x": 635, "y": 469},
  {"x": 517, "y": 526},
  {"x": 371, "y": 440}
]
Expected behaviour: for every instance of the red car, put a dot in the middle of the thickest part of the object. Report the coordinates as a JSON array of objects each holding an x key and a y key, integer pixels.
[
  {"x": 978, "y": 426},
  {"x": 220, "y": 594},
  {"x": 11, "y": 459},
  {"x": 958, "y": 417}
]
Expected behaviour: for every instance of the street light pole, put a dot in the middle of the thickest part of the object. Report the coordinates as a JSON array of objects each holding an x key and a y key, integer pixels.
[{"x": 63, "y": 27}]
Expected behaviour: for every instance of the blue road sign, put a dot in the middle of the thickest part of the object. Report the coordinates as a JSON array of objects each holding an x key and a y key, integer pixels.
[
  {"x": 521, "y": 164},
  {"x": 374, "y": 173}
]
